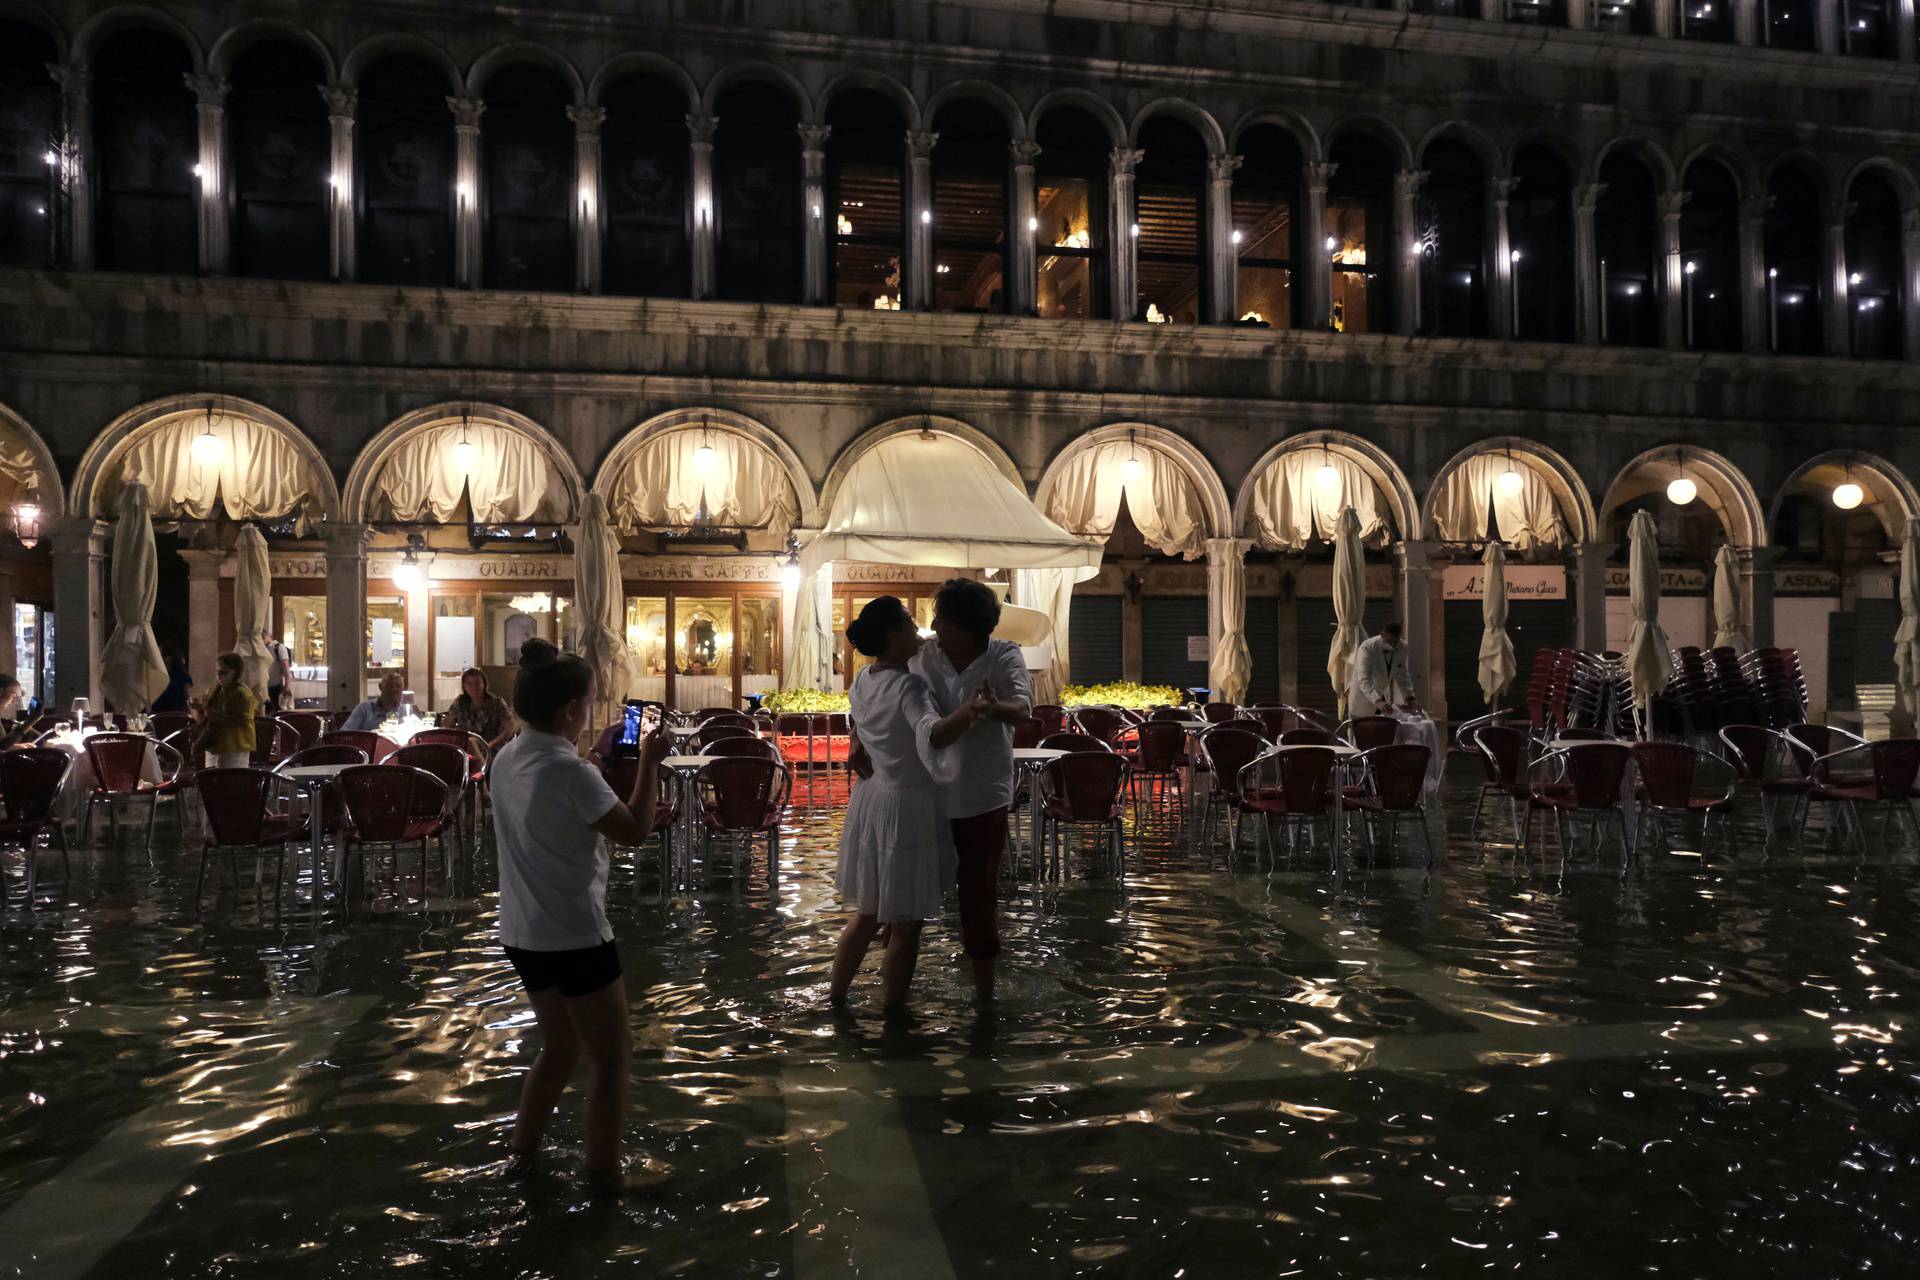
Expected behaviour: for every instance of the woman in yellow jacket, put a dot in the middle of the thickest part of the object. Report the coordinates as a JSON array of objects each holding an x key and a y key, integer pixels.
[{"x": 230, "y": 709}]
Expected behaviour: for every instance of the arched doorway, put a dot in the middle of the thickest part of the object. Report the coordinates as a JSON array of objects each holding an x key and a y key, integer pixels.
[{"x": 31, "y": 496}]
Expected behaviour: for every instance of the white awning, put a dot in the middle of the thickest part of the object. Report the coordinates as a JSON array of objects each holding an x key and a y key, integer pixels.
[{"x": 929, "y": 498}]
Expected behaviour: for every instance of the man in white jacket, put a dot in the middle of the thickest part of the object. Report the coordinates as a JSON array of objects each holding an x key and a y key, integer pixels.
[{"x": 1379, "y": 679}]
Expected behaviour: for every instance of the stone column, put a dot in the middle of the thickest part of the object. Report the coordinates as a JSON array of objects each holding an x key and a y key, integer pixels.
[
  {"x": 346, "y": 613},
  {"x": 1406, "y": 241},
  {"x": 1903, "y": 30},
  {"x": 1826, "y": 26},
  {"x": 1837, "y": 297},
  {"x": 1223, "y": 254},
  {"x": 9, "y": 655},
  {"x": 1022, "y": 262},
  {"x": 1503, "y": 273},
  {"x": 1673, "y": 316},
  {"x": 1317, "y": 313},
  {"x": 1746, "y": 22},
  {"x": 466, "y": 190},
  {"x": 1413, "y": 566},
  {"x": 1589, "y": 587},
  {"x": 203, "y": 615},
  {"x": 1124, "y": 242},
  {"x": 705, "y": 278},
  {"x": 79, "y": 550},
  {"x": 340, "y": 100},
  {"x": 1132, "y": 638},
  {"x": 76, "y": 122},
  {"x": 1756, "y": 592},
  {"x": 211, "y": 92},
  {"x": 586, "y": 207},
  {"x": 1910, "y": 287},
  {"x": 1578, "y": 18},
  {"x": 917, "y": 280},
  {"x": 1755, "y": 323},
  {"x": 1665, "y": 18},
  {"x": 1587, "y": 299},
  {"x": 817, "y": 246},
  {"x": 419, "y": 669}
]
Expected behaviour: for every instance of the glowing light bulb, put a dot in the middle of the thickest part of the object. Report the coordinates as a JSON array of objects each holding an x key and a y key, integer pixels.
[
  {"x": 705, "y": 458},
  {"x": 1849, "y": 495},
  {"x": 1511, "y": 482},
  {"x": 1327, "y": 477},
  {"x": 1681, "y": 491},
  {"x": 406, "y": 575},
  {"x": 790, "y": 576},
  {"x": 465, "y": 452},
  {"x": 207, "y": 447},
  {"x": 1132, "y": 469}
]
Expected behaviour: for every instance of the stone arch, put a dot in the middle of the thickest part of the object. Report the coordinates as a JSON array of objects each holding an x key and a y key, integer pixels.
[
  {"x": 374, "y": 48},
  {"x": 1561, "y": 476},
  {"x": 727, "y": 420},
  {"x": 236, "y": 40},
  {"x": 865, "y": 78},
  {"x": 1898, "y": 175},
  {"x": 1897, "y": 493},
  {"x": 639, "y": 62},
  {"x": 1380, "y": 127},
  {"x": 33, "y": 15},
  {"x": 1472, "y": 138},
  {"x": 373, "y": 456},
  {"x": 964, "y": 90},
  {"x": 1650, "y": 153},
  {"x": 504, "y": 55},
  {"x": 1736, "y": 503},
  {"x": 98, "y": 462},
  {"x": 1092, "y": 103},
  {"x": 987, "y": 446},
  {"x": 1809, "y": 165},
  {"x": 53, "y": 493},
  {"x": 1736, "y": 165},
  {"x": 1198, "y": 117},
  {"x": 1192, "y": 463},
  {"x": 122, "y": 16},
  {"x": 1369, "y": 457},
  {"x": 1292, "y": 122},
  {"x": 1560, "y": 144},
  {"x": 735, "y": 72}
]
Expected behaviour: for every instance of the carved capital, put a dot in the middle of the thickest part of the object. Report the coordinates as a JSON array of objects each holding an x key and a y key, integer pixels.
[
  {"x": 1672, "y": 202},
  {"x": 1839, "y": 213},
  {"x": 1024, "y": 152},
  {"x": 1500, "y": 190},
  {"x": 1222, "y": 168},
  {"x": 587, "y": 120},
  {"x": 1124, "y": 159},
  {"x": 1587, "y": 195},
  {"x": 73, "y": 79},
  {"x": 813, "y": 137},
  {"x": 1407, "y": 183},
  {"x": 209, "y": 90},
  {"x": 1754, "y": 208},
  {"x": 1320, "y": 173},
  {"x": 345, "y": 541},
  {"x": 340, "y": 99},
  {"x": 920, "y": 144},
  {"x": 466, "y": 112},
  {"x": 701, "y": 128}
]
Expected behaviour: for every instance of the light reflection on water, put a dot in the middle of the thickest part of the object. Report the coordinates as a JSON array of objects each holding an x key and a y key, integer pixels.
[{"x": 1688, "y": 1069}]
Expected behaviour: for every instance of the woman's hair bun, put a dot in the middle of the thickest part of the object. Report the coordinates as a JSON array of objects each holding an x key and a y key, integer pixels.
[
  {"x": 879, "y": 618},
  {"x": 536, "y": 653}
]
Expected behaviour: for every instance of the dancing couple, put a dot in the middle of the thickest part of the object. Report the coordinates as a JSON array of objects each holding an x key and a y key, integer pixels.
[{"x": 933, "y": 745}]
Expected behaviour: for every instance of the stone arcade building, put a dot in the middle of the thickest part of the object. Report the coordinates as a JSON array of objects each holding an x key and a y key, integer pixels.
[{"x": 428, "y": 277}]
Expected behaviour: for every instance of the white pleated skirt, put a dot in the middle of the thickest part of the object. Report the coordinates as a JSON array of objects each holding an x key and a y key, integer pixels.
[{"x": 896, "y": 852}]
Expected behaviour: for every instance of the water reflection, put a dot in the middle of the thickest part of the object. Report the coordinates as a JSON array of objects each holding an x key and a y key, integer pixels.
[{"x": 1684, "y": 1067}]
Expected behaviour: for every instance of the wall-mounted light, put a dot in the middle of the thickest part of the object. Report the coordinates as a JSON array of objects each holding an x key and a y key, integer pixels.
[
  {"x": 26, "y": 524},
  {"x": 1332, "y": 244},
  {"x": 1514, "y": 257},
  {"x": 407, "y": 575},
  {"x": 1236, "y": 235},
  {"x": 1033, "y": 224},
  {"x": 926, "y": 216},
  {"x": 1855, "y": 278},
  {"x": 1692, "y": 267},
  {"x": 1134, "y": 230},
  {"x": 790, "y": 567}
]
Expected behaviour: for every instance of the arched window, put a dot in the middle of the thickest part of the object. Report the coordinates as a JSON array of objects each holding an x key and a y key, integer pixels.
[
  {"x": 1071, "y": 244},
  {"x": 1867, "y": 28},
  {"x": 1169, "y": 197},
  {"x": 1710, "y": 259},
  {"x": 1795, "y": 250},
  {"x": 1875, "y": 267},
  {"x": 527, "y": 172},
  {"x": 1710, "y": 20},
  {"x": 29, "y": 123},
  {"x": 1359, "y": 234},
  {"x": 282, "y": 161},
  {"x": 1540, "y": 229},
  {"x": 146, "y": 145},
  {"x": 1453, "y": 276},
  {"x": 866, "y": 194},
  {"x": 1788, "y": 24},
  {"x": 403, "y": 148},
  {"x": 1266, "y": 194},
  {"x": 644, "y": 189},
  {"x": 970, "y": 208},
  {"x": 756, "y": 156},
  {"x": 1623, "y": 221}
]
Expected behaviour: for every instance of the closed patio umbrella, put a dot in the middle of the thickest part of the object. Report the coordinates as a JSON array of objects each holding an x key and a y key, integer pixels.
[
  {"x": 253, "y": 609},
  {"x": 1496, "y": 647},
  {"x": 1906, "y": 640},
  {"x": 1349, "y": 602},
  {"x": 1648, "y": 664},
  {"x": 1726, "y": 603},
  {"x": 131, "y": 672},
  {"x": 600, "y": 605}
]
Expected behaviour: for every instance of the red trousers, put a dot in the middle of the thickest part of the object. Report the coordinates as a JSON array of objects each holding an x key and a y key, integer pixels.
[{"x": 980, "y": 841}]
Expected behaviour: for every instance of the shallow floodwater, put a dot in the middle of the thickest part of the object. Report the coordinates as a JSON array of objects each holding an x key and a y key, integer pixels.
[{"x": 1696, "y": 1067}]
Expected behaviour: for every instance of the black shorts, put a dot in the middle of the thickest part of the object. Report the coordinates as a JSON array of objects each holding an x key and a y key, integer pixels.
[{"x": 576, "y": 973}]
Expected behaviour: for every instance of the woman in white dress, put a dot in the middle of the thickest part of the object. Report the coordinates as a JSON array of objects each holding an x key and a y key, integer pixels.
[{"x": 896, "y": 846}]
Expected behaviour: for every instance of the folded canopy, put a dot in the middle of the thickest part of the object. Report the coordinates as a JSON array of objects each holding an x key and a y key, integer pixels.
[{"x": 933, "y": 499}]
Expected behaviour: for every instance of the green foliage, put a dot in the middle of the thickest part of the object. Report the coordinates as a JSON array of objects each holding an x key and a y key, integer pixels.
[
  {"x": 804, "y": 701},
  {"x": 1121, "y": 693}
]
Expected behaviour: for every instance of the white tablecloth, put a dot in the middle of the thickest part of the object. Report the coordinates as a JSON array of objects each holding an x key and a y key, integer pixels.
[
  {"x": 1423, "y": 730},
  {"x": 81, "y": 778}
]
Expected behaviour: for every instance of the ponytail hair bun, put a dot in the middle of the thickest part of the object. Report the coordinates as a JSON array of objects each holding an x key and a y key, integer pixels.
[
  {"x": 548, "y": 681},
  {"x": 881, "y": 617},
  {"x": 536, "y": 653}
]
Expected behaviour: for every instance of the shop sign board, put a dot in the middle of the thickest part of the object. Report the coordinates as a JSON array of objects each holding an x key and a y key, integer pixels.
[{"x": 1524, "y": 582}]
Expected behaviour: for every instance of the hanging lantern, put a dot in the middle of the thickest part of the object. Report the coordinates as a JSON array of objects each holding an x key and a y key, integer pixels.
[
  {"x": 1510, "y": 483},
  {"x": 26, "y": 524},
  {"x": 407, "y": 574},
  {"x": 704, "y": 458},
  {"x": 465, "y": 452},
  {"x": 1681, "y": 490},
  {"x": 207, "y": 447},
  {"x": 1132, "y": 469},
  {"x": 1327, "y": 479},
  {"x": 790, "y": 569},
  {"x": 1847, "y": 494}
]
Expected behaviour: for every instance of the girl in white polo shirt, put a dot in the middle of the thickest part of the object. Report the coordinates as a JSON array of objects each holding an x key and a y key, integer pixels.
[{"x": 551, "y": 807}]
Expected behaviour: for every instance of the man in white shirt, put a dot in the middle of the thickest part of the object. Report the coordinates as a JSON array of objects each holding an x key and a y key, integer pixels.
[
  {"x": 1380, "y": 680},
  {"x": 962, "y": 657},
  {"x": 376, "y": 711}
]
